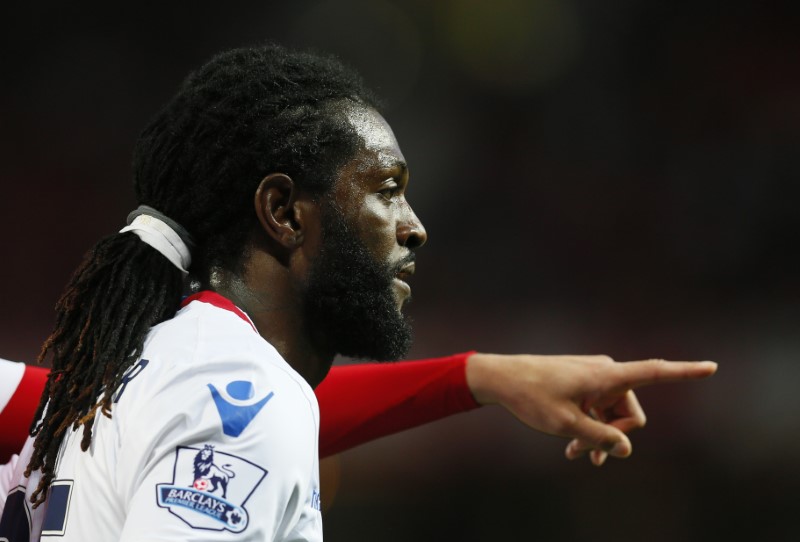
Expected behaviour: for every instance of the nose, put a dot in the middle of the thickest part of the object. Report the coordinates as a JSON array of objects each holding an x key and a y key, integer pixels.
[{"x": 410, "y": 231}]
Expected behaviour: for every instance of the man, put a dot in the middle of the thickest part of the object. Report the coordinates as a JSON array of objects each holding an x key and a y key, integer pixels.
[
  {"x": 271, "y": 180},
  {"x": 381, "y": 399}
]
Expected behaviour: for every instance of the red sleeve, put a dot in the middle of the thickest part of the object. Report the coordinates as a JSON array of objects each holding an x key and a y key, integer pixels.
[
  {"x": 362, "y": 402},
  {"x": 16, "y": 417},
  {"x": 358, "y": 403}
]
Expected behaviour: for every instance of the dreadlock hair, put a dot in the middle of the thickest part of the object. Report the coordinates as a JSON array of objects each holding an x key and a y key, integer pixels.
[{"x": 247, "y": 113}]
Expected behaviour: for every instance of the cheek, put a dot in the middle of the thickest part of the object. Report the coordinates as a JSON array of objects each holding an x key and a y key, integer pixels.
[{"x": 376, "y": 226}]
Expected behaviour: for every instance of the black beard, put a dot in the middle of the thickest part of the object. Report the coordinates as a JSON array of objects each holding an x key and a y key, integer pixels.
[{"x": 350, "y": 305}]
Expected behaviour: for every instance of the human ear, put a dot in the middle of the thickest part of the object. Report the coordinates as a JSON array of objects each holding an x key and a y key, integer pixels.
[{"x": 277, "y": 210}]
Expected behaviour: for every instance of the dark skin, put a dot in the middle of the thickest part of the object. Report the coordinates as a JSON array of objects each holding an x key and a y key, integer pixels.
[
  {"x": 588, "y": 399},
  {"x": 369, "y": 190}
]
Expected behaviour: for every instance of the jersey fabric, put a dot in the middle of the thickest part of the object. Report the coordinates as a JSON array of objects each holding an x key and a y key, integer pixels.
[
  {"x": 365, "y": 401},
  {"x": 12, "y": 375},
  {"x": 382, "y": 399},
  {"x": 20, "y": 389},
  {"x": 213, "y": 437}
]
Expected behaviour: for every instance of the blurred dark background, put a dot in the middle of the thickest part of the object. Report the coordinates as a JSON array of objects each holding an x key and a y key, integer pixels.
[{"x": 614, "y": 177}]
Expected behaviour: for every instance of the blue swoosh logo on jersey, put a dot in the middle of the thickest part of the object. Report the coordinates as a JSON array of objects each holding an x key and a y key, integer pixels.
[{"x": 236, "y": 418}]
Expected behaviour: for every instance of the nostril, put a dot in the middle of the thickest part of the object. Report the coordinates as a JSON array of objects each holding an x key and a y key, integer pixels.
[
  {"x": 412, "y": 237},
  {"x": 422, "y": 235},
  {"x": 417, "y": 240}
]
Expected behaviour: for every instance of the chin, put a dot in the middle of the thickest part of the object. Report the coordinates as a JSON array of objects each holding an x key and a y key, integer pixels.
[{"x": 402, "y": 303}]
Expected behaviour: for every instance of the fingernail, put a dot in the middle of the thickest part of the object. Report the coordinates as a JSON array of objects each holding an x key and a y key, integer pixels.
[
  {"x": 600, "y": 458},
  {"x": 620, "y": 449}
]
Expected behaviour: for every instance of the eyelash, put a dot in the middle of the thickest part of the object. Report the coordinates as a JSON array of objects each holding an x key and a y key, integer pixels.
[{"x": 389, "y": 193}]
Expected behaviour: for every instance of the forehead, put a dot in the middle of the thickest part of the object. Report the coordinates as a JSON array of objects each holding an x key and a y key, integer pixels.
[{"x": 379, "y": 149}]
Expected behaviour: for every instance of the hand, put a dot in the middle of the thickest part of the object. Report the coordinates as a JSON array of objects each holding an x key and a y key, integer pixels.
[{"x": 588, "y": 399}]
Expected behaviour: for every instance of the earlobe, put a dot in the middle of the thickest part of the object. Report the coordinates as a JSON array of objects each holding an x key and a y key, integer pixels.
[{"x": 276, "y": 209}]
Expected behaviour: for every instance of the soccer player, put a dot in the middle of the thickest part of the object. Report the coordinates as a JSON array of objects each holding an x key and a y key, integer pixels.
[
  {"x": 381, "y": 399},
  {"x": 272, "y": 180}
]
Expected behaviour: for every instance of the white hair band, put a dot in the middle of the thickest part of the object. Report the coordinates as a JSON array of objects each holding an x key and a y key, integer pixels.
[{"x": 163, "y": 238}]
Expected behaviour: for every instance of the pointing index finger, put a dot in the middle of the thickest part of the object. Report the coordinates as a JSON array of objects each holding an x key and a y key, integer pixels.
[{"x": 635, "y": 374}]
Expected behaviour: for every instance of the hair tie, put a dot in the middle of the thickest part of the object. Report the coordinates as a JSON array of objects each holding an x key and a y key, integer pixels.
[{"x": 163, "y": 234}]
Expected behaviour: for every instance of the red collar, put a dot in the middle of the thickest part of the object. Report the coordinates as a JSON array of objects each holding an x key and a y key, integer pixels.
[{"x": 213, "y": 298}]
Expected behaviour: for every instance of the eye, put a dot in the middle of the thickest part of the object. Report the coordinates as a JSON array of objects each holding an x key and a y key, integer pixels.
[
  {"x": 389, "y": 190},
  {"x": 388, "y": 193}
]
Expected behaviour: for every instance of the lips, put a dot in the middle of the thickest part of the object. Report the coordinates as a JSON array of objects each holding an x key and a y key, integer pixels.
[
  {"x": 400, "y": 279},
  {"x": 406, "y": 271}
]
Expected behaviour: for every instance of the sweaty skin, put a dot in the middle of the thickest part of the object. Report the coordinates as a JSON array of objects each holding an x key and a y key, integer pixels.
[
  {"x": 588, "y": 399},
  {"x": 369, "y": 191}
]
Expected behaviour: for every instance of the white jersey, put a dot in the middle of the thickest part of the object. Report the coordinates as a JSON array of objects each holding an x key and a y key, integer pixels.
[
  {"x": 10, "y": 376},
  {"x": 213, "y": 436}
]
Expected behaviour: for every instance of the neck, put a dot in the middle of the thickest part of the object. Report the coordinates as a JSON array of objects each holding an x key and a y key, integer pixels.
[{"x": 275, "y": 307}]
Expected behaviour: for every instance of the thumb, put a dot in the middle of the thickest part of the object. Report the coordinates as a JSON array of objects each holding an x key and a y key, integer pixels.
[{"x": 590, "y": 434}]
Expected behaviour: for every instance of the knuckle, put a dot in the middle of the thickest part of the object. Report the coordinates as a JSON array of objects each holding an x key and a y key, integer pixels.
[
  {"x": 606, "y": 444},
  {"x": 564, "y": 422}
]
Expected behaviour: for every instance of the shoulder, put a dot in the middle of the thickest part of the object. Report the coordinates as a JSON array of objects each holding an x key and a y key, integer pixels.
[
  {"x": 206, "y": 374},
  {"x": 10, "y": 375},
  {"x": 211, "y": 415},
  {"x": 206, "y": 348}
]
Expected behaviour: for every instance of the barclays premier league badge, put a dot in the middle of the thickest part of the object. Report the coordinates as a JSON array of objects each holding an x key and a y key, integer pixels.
[{"x": 209, "y": 488}]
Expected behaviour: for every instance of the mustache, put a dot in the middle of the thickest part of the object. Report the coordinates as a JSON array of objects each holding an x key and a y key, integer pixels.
[{"x": 402, "y": 262}]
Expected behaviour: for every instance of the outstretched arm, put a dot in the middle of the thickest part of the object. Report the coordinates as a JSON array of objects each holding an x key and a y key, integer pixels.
[
  {"x": 21, "y": 387},
  {"x": 364, "y": 401},
  {"x": 358, "y": 403},
  {"x": 588, "y": 399}
]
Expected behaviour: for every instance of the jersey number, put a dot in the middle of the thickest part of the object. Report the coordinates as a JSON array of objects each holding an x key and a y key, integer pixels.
[{"x": 15, "y": 524}]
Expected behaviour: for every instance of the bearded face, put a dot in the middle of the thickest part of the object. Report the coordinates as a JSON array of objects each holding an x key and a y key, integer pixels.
[{"x": 351, "y": 302}]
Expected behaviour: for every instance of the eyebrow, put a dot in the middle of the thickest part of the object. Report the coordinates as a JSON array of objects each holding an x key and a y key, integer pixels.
[{"x": 400, "y": 164}]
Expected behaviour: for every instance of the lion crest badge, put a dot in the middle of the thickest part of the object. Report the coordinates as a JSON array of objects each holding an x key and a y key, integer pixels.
[{"x": 210, "y": 488}]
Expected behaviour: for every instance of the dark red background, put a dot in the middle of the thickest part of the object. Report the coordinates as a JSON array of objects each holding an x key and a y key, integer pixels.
[{"x": 596, "y": 177}]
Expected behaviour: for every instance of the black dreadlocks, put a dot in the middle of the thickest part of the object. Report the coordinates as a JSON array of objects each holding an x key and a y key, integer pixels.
[{"x": 247, "y": 113}]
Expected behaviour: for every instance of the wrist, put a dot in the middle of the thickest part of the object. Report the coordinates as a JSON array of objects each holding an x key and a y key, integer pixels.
[{"x": 484, "y": 377}]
